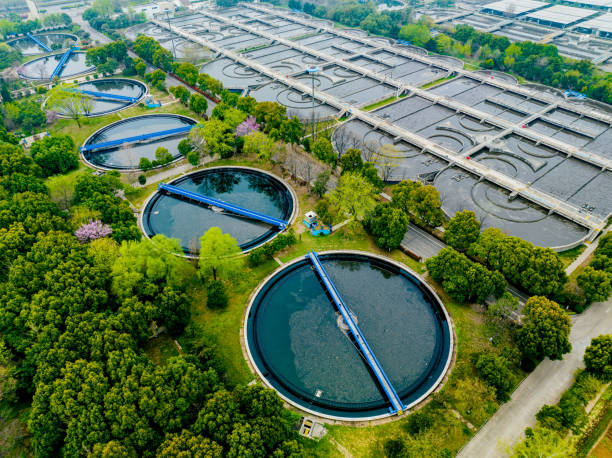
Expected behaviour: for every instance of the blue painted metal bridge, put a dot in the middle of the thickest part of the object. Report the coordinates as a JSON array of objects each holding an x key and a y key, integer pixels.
[
  {"x": 60, "y": 66},
  {"x": 366, "y": 351},
  {"x": 282, "y": 224},
  {"x": 104, "y": 95},
  {"x": 135, "y": 139},
  {"x": 38, "y": 42}
]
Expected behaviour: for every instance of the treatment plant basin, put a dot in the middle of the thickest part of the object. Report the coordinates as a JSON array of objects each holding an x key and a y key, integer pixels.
[
  {"x": 186, "y": 220},
  {"x": 301, "y": 346},
  {"x": 127, "y": 156},
  {"x": 112, "y": 86},
  {"x": 42, "y": 68},
  {"x": 27, "y": 47}
]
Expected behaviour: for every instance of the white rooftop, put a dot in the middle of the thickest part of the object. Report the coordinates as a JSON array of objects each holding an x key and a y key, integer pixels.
[
  {"x": 602, "y": 23},
  {"x": 515, "y": 7},
  {"x": 561, "y": 14},
  {"x": 596, "y": 3}
]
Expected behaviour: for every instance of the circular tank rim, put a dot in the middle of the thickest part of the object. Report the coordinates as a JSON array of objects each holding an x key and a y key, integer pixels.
[
  {"x": 135, "y": 169},
  {"x": 246, "y": 350},
  {"x": 49, "y": 32},
  {"x": 144, "y": 94},
  {"x": 292, "y": 218},
  {"x": 29, "y": 78}
]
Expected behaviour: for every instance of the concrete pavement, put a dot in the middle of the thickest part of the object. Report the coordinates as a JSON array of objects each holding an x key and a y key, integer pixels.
[{"x": 543, "y": 386}]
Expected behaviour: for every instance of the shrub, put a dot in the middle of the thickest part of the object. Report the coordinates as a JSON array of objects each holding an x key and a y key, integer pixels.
[
  {"x": 494, "y": 371},
  {"x": 193, "y": 157},
  {"x": 418, "y": 422},
  {"x": 598, "y": 357},
  {"x": 394, "y": 448},
  {"x": 142, "y": 179},
  {"x": 145, "y": 164},
  {"x": 184, "y": 147},
  {"x": 216, "y": 295},
  {"x": 265, "y": 252}
]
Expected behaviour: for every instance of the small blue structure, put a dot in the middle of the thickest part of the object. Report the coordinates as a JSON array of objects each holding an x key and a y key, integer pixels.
[
  {"x": 282, "y": 224},
  {"x": 38, "y": 42},
  {"x": 60, "y": 67},
  {"x": 150, "y": 103},
  {"x": 104, "y": 95},
  {"x": 574, "y": 94},
  {"x": 403, "y": 42},
  {"x": 135, "y": 139},
  {"x": 316, "y": 228},
  {"x": 366, "y": 351}
]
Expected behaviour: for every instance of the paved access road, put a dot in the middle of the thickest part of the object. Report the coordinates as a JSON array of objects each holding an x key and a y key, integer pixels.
[{"x": 543, "y": 386}]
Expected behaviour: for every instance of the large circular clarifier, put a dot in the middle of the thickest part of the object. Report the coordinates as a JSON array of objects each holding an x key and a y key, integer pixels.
[
  {"x": 256, "y": 190},
  {"x": 127, "y": 156},
  {"x": 111, "y": 86},
  {"x": 43, "y": 67},
  {"x": 300, "y": 345}
]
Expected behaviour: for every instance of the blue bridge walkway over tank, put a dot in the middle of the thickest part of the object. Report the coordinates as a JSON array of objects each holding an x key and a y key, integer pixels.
[
  {"x": 104, "y": 95},
  {"x": 60, "y": 66},
  {"x": 135, "y": 139},
  {"x": 38, "y": 42},
  {"x": 366, "y": 351},
  {"x": 282, "y": 224}
]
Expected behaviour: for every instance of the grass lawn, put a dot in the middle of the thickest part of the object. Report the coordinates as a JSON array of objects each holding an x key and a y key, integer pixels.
[
  {"x": 568, "y": 256},
  {"x": 438, "y": 81},
  {"x": 379, "y": 104}
]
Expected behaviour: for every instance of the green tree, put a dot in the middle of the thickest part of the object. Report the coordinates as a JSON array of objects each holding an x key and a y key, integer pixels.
[
  {"x": 181, "y": 93},
  {"x": 215, "y": 137},
  {"x": 351, "y": 161},
  {"x": 494, "y": 370},
  {"x": 540, "y": 442},
  {"x": 462, "y": 230},
  {"x": 319, "y": 187},
  {"x": 218, "y": 253},
  {"x": 596, "y": 284},
  {"x": 187, "y": 444},
  {"x": 198, "y": 104},
  {"x": 598, "y": 357},
  {"x": 353, "y": 197},
  {"x": 55, "y": 154},
  {"x": 260, "y": 144},
  {"x": 163, "y": 156},
  {"x": 388, "y": 225},
  {"x": 188, "y": 72},
  {"x": 184, "y": 147},
  {"x": 417, "y": 34},
  {"x": 323, "y": 150},
  {"x": 65, "y": 98},
  {"x": 545, "y": 331},
  {"x": 290, "y": 130},
  {"x": 145, "y": 164},
  {"x": 216, "y": 297}
]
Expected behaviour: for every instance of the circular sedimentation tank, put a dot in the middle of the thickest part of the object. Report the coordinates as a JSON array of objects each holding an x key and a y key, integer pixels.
[
  {"x": 28, "y": 47},
  {"x": 245, "y": 187},
  {"x": 112, "y": 86},
  {"x": 300, "y": 345},
  {"x": 42, "y": 67},
  {"x": 127, "y": 156}
]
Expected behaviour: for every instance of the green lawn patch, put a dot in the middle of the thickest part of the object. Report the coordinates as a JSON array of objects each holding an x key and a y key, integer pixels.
[
  {"x": 379, "y": 104},
  {"x": 569, "y": 256},
  {"x": 436, "y": 82}
]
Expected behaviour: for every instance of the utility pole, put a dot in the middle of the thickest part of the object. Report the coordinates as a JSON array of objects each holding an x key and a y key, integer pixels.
[
  {"x": 171, "y": 34},
  {"x": 313, "y": 70}
]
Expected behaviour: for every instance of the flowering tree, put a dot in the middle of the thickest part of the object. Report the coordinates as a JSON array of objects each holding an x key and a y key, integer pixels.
[
  {"x": 92, "y": 230},
  {"x": 247, "y": 126}
]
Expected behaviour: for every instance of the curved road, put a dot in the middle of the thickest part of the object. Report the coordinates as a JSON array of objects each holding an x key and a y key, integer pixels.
[{"x": 543, "y": 386}]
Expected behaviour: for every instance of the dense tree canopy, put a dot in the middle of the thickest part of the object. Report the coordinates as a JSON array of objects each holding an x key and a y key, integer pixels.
[
  {"x": 388, "y": 225},
  {"x": 545, "y": 331},
  {"x": 55, "y": 154},
  {"x": 423, "y": 202},
  {"x": 462, "y": 230},
  {"x": 598, "y": 357}
]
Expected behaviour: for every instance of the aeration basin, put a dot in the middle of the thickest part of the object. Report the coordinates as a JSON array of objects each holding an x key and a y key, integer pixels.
[
  {"x": 187, "y": 220},
  {"x": 127, "y": 156},
  {"x": 300, "y": 345}
]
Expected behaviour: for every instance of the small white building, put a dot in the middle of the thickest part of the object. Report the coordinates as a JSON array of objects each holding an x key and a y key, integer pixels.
[{"x": 153, "y": 8}]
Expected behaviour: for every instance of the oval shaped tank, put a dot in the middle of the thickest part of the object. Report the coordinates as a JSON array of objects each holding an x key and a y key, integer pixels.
[
  {"x": 103, "y": 101},
  {"x": 186, "y": 220},
  {"x": 126, "y": 156},
  {"x": 302, "y": 347},
  {"x": 28, "y": 47},
  {"x": 43, "y": 67}
]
